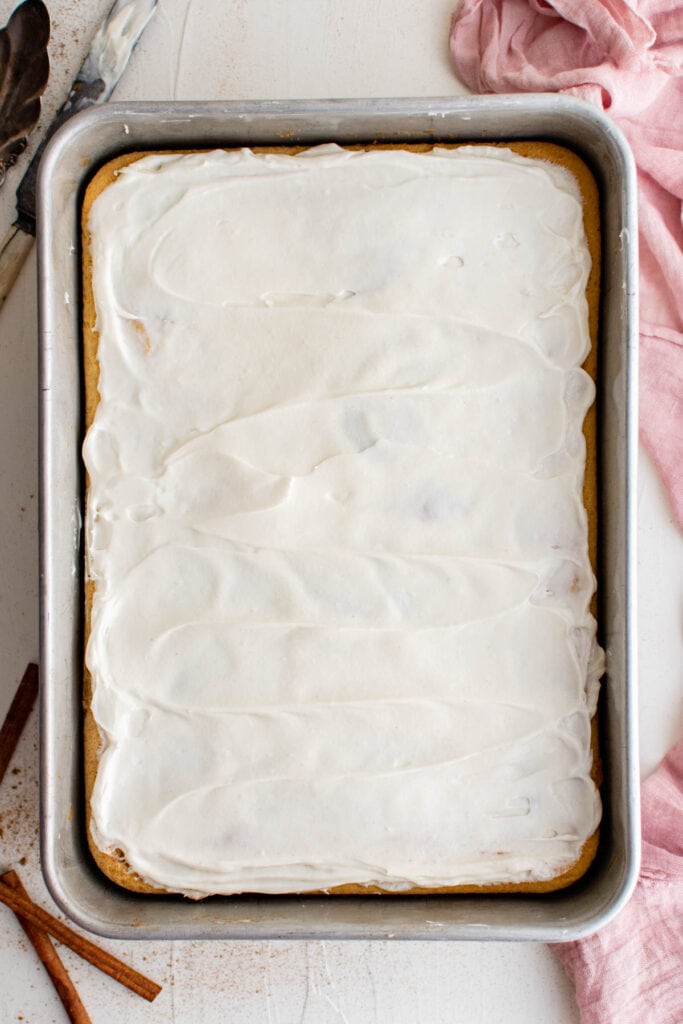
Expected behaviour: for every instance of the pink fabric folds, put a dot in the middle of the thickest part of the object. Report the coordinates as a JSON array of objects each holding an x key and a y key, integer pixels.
[
  {"x": 626, "y": 58},
  {"x": 631, "y": 972}
]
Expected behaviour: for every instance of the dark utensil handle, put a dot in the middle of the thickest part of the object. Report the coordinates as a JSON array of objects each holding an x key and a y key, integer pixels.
[{"x": 15, "y": 249}]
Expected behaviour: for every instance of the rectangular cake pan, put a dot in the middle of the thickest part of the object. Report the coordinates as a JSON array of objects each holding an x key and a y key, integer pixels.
[{"x": 76, "y": 151}]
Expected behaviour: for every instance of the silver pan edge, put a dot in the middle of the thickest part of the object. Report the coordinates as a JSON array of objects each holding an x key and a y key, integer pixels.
[{"x": 85, "y": 142}]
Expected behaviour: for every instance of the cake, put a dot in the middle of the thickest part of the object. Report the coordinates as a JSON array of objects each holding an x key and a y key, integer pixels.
[{"x": 339, "y": 619}]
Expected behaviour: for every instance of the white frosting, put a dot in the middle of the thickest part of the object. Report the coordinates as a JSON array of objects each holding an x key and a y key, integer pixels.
[
  {"x": 111, "y": 48},
  {"x": 341, "y": 627}
]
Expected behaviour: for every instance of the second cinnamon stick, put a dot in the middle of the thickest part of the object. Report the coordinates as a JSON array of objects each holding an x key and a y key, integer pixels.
[
  {"x": 100, "y": 958},
  {"x": 20, "y": 709},
  {"x": 49, "y": 957}
]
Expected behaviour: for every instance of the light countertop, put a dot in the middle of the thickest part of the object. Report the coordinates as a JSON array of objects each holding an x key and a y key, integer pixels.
[{"x": 264, "y": 49}]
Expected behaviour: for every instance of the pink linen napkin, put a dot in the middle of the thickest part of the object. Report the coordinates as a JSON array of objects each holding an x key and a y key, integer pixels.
[
  {"x": 628, "y": 60},
  {"x": 631, "y": 972}
]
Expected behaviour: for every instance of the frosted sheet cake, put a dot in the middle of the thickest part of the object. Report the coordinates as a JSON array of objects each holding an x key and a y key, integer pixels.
[{"x": 338, "y": 578}]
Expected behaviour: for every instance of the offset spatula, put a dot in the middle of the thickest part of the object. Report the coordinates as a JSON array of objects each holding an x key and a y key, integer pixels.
[{"x": 101, "y": 70}]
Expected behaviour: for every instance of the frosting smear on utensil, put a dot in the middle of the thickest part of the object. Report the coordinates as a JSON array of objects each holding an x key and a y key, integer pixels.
[{"x": 341, "y": 629}]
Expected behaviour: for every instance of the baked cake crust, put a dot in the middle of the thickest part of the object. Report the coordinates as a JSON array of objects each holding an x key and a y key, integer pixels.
[{"x": 114, "y": 865}]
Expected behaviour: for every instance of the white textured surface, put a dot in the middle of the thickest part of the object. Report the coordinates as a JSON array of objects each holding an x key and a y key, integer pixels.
[
  {"x": 256, "y": 48},
  {"x": 345, "y": 537}
]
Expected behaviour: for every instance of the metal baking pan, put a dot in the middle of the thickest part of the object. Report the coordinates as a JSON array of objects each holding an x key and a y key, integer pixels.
[{"x": 79, "y": 147}]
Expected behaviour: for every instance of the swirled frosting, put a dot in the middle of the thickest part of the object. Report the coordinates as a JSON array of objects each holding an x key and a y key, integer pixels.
[{"x": 341, "y": 628}]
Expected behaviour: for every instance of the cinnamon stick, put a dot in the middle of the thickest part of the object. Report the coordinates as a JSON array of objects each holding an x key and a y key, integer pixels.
[
  {"x": 49, "y": 957},
  {"x": 25, "y": 907},
  {"x": 20, "y": 709}
]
